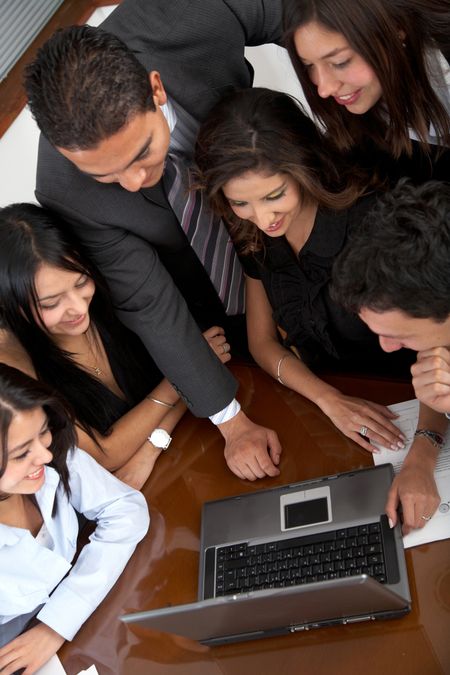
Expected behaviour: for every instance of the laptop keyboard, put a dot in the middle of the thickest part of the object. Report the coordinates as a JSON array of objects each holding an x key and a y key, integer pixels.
[{"x": 339, "y": 553}]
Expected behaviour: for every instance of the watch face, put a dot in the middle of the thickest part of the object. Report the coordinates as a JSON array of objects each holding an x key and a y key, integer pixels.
[{"x": 160, "y": 439}]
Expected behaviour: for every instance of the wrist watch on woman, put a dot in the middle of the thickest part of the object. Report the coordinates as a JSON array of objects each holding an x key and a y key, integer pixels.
[{"x": 160, "y": 439}]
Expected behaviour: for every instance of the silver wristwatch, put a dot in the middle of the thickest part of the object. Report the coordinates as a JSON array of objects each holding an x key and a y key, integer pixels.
[{"x": 160, "y": 438}]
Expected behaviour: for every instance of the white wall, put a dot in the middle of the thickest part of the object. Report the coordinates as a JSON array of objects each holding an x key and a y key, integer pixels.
[{"x": 18, "y": 146}]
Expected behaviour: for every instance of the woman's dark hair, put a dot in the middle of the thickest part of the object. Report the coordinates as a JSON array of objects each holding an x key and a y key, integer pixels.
[
  {"x": 392, "y": 37},
  {"x": 29, "y": 237},
  {"x": 19, "y": 393},
  {"x": 267, "y": 131}
]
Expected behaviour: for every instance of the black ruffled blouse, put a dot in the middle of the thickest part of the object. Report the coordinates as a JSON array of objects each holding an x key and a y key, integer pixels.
[{"x": 297, "y": 286}]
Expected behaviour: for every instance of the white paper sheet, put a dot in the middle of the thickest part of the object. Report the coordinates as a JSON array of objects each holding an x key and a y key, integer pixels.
[
  {"x": 55, "y": 667},
  {"x": 52, "y": 667},
  {"x": 439, "y": 526}
]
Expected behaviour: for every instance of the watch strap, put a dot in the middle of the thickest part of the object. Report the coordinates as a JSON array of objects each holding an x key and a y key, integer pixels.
[{"x": 434, "y": 437}]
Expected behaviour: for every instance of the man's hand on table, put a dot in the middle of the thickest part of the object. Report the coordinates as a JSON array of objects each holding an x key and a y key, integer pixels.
[
  {"x": 251, "y": 451},
  {"x": 414, "y": 488}
]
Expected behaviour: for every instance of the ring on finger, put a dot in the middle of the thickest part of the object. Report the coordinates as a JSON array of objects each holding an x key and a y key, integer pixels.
[
  {"x": 363, "y": 431},
  {"x": 225, "y": 347},
  {"x": 427, "y": 518}
]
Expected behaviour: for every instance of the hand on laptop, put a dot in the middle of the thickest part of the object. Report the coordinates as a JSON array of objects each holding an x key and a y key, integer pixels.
[
  {"x": 251, "y": 451},
  {"x": 414, "y": 488},
  {"x": 431, "y": 378}
]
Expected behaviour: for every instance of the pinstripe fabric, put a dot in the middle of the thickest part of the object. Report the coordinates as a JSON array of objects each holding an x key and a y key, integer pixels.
[{"x": 207, "y": 236}]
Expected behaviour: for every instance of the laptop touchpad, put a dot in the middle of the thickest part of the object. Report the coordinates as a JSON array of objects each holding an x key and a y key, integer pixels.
[{"x": 305, "y": 508}]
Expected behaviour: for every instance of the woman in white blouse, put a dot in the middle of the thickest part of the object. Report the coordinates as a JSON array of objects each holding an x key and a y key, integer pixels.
[{"x": 44, "y": 483}]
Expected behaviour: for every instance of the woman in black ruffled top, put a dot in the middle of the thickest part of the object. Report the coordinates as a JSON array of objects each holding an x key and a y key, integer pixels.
[{"x": 291, "y": 206}]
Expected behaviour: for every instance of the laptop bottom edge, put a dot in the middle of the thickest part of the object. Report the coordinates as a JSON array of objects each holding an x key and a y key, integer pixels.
[{"x": 289, "y": 630}]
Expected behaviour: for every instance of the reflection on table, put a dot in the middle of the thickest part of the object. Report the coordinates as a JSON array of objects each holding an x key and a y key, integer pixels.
[{"x": 164, "y": 568}]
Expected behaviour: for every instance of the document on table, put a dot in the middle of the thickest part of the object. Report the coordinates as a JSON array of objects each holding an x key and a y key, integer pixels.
[
  {"x": 52, "y": 667},
  {"x": 55, "y": 667},
  {"x": 439, "y": 526}
]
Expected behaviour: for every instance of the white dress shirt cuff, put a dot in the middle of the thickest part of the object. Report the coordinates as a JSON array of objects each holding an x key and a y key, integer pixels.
[{"x": 230, "y": 411}]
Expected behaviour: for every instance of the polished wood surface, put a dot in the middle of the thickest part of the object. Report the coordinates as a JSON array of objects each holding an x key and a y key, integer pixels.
[{"x": 164, "y": 567}]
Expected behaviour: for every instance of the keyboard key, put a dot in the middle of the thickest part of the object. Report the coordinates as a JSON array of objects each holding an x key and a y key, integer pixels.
[{"x": 373, "y": 548}]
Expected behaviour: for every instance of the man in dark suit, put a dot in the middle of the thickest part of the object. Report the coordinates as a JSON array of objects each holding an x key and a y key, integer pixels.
[{"x": 107, "y": 125}]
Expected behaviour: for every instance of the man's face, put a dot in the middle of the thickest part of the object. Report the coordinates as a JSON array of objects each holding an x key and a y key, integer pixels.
[
  {"x": 395, "y": 330},
  {"x": 136, "y": 154}
]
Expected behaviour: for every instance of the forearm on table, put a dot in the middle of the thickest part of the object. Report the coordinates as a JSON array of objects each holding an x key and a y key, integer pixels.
[
  {"x": 422, "y": 450},
  {"x": 130, "y": 432},
  {"x": 430, "y": 419},
  {"x": 293, "y": 373},
  {"x": 172, "y": 417}
]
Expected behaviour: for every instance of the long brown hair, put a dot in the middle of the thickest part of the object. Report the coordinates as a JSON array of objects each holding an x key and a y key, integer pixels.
[
  {"x": 267, "y": 131},
  {"x": 392, "y": 37}
]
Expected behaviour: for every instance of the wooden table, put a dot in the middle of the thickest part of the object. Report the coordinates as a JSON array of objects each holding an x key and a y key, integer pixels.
[{"x": 164, "y": 567}]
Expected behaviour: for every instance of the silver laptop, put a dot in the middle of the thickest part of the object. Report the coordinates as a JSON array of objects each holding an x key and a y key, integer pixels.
[{"x": 293, "y": 558}]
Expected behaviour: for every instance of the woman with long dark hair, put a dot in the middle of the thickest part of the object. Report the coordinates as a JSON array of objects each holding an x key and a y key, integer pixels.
[
  {"x": 289, "y": 200},
  {"x": 291, "y": 204},
  {"x": 371, "y": 71},
  {"x": 59, "y": 320},
  {"x": 44, "y": 482}
]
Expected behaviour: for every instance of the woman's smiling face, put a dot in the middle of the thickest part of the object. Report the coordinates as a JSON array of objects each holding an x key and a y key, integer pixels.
[
  {"x": 271, "y": 202},
  {"x": 336, "y": 69},
  {"x": 27, "y": 448},
  {"x": 63, "y": 299}
]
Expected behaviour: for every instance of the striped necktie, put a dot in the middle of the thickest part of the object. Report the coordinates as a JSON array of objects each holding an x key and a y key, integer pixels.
[{"x": 207, "y": 235}]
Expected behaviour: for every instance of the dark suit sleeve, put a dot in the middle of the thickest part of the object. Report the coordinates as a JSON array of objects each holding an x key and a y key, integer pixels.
[
  {"x": 148, "y": 302},
  {"x": 149, "y": 23},
  {"x": 260, "y": 20},
  {"x": 197, "y": 46}
]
